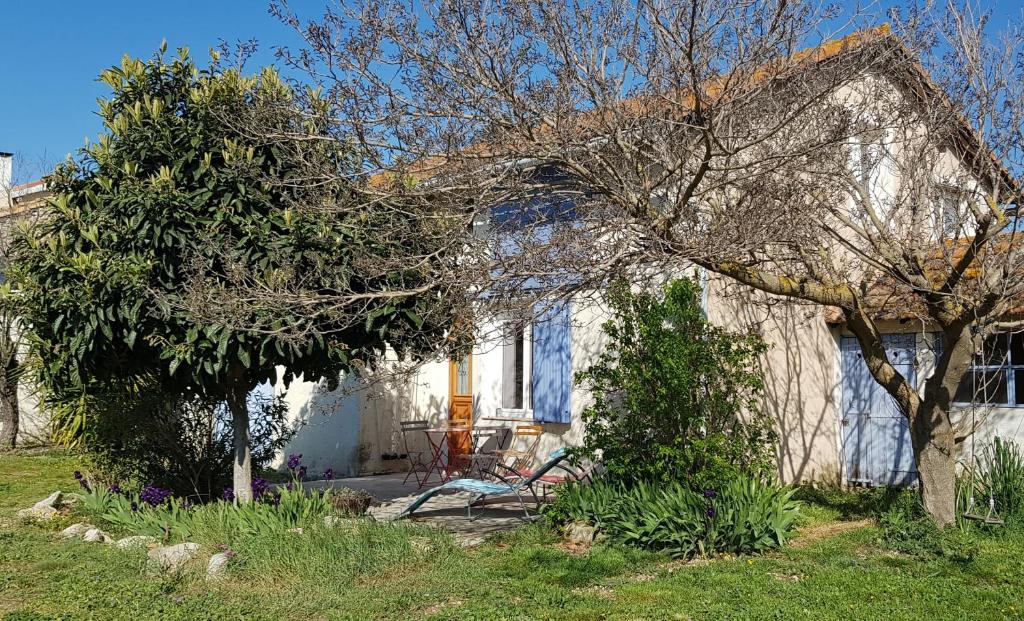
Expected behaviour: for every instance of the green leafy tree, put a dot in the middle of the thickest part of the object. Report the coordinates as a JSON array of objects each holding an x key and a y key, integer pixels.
[
  {"x": 205, "y": 195},
  {"x": 674, "y": 397}
]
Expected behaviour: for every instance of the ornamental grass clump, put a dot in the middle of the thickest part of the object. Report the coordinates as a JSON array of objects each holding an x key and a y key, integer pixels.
[{"x": 745, "y": 515}]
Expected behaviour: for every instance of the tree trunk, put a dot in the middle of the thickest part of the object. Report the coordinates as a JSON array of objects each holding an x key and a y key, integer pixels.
[
  {"x": 934, "y": 451},
  {"x": 9, "y": 407},
  {"x": 239, "y": 407}
]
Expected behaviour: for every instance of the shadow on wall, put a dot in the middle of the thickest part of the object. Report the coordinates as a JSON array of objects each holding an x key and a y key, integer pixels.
[
  {"x": 800, "y": 380},
  {"x": 328, "y": 433},
  {"x": 383, "y": 445}
]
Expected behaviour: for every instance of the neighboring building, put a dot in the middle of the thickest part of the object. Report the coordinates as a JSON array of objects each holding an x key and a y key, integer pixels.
[
  {"x": 18, "y": 202},
  {"x": 834, "y": 422}
]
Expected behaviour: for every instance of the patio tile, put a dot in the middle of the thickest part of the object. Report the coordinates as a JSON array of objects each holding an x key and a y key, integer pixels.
[{"x": 446, "y": 510}]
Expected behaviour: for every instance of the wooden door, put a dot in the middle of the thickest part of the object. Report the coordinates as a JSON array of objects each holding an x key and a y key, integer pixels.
[
  {"x": 460, "y": 404},
  {"x": 876, "y": 437}
]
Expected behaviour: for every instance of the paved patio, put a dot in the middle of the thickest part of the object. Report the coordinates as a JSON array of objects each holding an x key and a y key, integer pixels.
[{"x": 446, "y": 510}]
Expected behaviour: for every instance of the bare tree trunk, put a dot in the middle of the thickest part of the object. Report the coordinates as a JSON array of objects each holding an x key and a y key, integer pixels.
[
  {"x": 239, "y": 407},
  {"x": 934, "y": 450},
  {"x": 9, "y": 413}
]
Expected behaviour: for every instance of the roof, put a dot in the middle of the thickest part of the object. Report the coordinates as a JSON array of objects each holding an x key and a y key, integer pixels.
[
  {"x": 887, "y": 299},
  {"x": 639, "y": 105},
  {"x": 28, "y": 188},
  {"x": 921, "y": 85}
]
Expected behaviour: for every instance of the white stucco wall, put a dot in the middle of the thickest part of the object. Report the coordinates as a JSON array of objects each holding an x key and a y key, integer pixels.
[{"x": 991, "y": 421}]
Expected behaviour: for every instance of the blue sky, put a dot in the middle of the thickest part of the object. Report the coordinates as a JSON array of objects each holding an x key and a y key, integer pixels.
[{"x": 52, "y": 50}]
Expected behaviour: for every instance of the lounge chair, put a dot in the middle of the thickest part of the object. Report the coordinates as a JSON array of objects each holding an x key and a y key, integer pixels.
[{"x": 501, "y": 486}]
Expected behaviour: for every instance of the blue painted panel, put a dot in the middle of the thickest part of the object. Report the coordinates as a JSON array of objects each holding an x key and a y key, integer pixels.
[
  {"x": 552, "y": 364},
  {"x": 876, "y": 436},
  {"x": 521, "y": 243}
]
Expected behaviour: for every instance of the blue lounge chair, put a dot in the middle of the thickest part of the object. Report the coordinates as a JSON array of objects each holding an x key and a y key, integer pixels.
[{"x": 480, "y": 489}]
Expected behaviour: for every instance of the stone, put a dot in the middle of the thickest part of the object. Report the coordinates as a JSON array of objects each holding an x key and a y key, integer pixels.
[
  {"x": 95, "y": 535},
  {"x": 580, "y": 533},
  {"x": 45, "y": 509},
  {"x": 32, "y": 513},
  {"x": 171, "y": 558},
  {"x": 297, "y": 531},
  {"x": 136, "y": 541},
  {"x": 76, "y": 531},
  {"x": 53, "y": 500},
  {"x": 217, "y": 568}
]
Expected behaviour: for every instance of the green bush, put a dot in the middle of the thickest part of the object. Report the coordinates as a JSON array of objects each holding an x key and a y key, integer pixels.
[
  {"x": 148, "y": 437},
  {"x": 745, "y": 515},
  {"x": 908, "y": 529},
  {"x": 674, "y": 398}
]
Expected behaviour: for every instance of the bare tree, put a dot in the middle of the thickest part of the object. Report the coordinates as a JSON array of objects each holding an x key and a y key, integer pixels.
[{"x": 872, "y": 174}]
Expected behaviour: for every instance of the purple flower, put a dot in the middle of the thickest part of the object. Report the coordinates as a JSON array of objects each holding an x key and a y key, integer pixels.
[
  {"x": 710, "y": 494},
  {"x": 260, "y": 487},
  {"x": 81, "y": 480},
  {"x": 329, "y": 474},
  {"x": 229, "y": 494},
  {"x": 154, "y": 496},
  {"x": 135, "y": 506},
  {"x": 115, "y": 489},
  {"x": 711, "y": 512},
  {"x": 289, "y": 486},
  {"x": 277, "y": 499},
  {"x": 302, "y": 472},
  {"x": 294, "y": 460}
]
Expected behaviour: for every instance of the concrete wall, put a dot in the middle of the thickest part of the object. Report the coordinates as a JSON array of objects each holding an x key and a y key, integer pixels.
[{"x": 800, "y": 371}]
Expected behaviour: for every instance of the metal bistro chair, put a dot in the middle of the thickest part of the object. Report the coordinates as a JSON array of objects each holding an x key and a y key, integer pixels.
[
  {"x": 415, "y": 457},
  {"x": 521, "y": 459},
  {"x": 487, "y": 441}
]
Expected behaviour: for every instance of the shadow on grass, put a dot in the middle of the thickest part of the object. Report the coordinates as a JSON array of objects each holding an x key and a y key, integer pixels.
[{"x": 851, "y": 504}]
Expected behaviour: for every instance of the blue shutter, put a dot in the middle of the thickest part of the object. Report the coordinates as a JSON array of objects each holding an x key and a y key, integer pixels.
[{"x": 552, "y": 364}]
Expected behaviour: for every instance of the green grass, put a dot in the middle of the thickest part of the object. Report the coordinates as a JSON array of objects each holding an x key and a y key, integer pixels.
[{"x": 398, "y": 571}]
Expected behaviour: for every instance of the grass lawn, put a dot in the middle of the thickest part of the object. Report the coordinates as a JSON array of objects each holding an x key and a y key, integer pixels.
[{"x": 404, "y": 572}]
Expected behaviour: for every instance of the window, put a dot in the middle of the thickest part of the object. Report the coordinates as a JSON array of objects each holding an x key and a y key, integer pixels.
[
  {"x": 949, "y": 212},
  {"x": 996, "y": 376},
  {"x": 868, "y": 149},
  {"x": 514, "y": 385}
]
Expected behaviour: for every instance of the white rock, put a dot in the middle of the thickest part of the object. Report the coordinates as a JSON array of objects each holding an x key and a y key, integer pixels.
[
  {"x": 135, "y": 541},
  {"x": 33, "y": 513},
  {"x": 44, "y": 509},
  {"x": 218, "y": 566},
  {"x": 95, "y": 535},
  {"x": 297, "y": 531},
  {"x": 580, "y": 532},
  {"x": 76, "y": 531},
  {"x": 52, "y": 501},
  {"x": 171, "y": 558}
]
